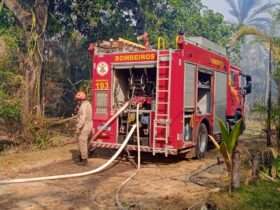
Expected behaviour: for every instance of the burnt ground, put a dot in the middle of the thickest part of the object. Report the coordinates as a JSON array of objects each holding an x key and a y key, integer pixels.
[{"x": 173, "y": 183}]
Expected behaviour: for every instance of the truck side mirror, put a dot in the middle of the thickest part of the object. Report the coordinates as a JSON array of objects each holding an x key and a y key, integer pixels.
[{"x": 248, "y": 87}]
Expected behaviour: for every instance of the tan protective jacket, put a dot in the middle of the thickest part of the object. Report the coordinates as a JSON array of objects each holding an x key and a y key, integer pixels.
[{"x": 84, "y": 118}]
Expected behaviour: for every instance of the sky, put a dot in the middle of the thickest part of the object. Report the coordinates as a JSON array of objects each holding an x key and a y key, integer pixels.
[{"x": 220, "y": 6}]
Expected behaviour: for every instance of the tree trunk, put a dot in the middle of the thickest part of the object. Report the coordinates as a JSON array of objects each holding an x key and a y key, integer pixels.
[
  {"x": 267, "y": 84},
  {"x": 255, "y": 160},
  {"x": 34, "y": 24},
  {"x": 236, "y": 162},
  {"x": 269, "y": 102},
  {"x": 278, "y": 118}
]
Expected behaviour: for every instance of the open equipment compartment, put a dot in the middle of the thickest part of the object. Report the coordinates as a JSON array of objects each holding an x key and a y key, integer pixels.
[
  {"x": 204, "y": 92},
  {"x": 132, "y": 82}
]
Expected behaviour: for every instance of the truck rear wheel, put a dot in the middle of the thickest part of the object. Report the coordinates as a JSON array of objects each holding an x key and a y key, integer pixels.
[{"x": 202, "y": 141}]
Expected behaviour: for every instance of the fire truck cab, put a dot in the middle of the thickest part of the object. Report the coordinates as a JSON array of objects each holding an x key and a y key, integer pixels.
[{"x": 182, "y": 93}]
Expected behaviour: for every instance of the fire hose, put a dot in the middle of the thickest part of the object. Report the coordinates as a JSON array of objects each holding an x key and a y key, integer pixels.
[
  {"x": 94, "y": 171},
  {"x": 67, "y": 176},
  {"x": 117, "y": 199}
]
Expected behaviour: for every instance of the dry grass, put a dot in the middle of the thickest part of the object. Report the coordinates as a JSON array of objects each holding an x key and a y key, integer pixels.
[{"x": 254, "y": 127}]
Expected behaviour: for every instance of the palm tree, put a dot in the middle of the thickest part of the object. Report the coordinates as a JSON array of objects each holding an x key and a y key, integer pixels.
[
  {"x": 228, "y": 149},
  {"x": 251, "y": 12},
  {"x": 273, "y": 46}
]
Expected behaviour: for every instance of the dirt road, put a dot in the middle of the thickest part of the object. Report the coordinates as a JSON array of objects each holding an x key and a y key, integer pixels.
[{"x": 160, "y": 184}]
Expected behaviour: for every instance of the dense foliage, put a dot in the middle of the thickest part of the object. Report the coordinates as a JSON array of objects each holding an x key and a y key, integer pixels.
[
  {"x": 73, "y": 24},
  {"x": 105, "y": 19},
  {"x": 10, "y": 38}
]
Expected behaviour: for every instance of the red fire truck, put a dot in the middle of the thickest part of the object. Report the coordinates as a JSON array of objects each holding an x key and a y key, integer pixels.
[{"x": 182, "y": 93}]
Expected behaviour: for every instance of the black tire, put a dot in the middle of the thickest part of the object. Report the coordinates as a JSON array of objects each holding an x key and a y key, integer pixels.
[{"x": 202, "y": 141}]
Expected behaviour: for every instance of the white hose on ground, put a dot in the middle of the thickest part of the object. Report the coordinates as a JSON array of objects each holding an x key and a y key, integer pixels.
[
  {"x": 117, "y": 199},
  {"x": 67, "y": 176},
  {"x": 138, "y": 137}
]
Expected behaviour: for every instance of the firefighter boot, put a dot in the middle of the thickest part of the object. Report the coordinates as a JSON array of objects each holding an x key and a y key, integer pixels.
[
  {"x": 76, "y": 157},
  {"x": 83, "y": 162}
]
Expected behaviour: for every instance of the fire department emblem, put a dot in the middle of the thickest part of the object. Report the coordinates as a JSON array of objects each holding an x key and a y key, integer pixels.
[{"x": 102, "y": 68}]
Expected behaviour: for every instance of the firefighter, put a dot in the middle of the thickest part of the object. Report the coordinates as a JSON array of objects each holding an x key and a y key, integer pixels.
[
  {"x": 145, "y": 38},
  {"x": 84, "y": 126},
  {"x": 180, "y": 40}
]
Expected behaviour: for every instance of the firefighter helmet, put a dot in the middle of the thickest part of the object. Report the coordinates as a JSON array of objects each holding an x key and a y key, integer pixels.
[{"x": 81, "y": 95}]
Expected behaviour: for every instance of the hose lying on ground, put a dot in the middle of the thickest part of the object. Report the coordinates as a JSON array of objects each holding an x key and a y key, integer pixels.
[
  {"x": 117, "y": 199},
  {"x": 67, "y": 176}
]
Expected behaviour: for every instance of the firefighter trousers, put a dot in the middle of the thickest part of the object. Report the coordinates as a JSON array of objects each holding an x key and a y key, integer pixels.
[{"x": 83, "y": 138}]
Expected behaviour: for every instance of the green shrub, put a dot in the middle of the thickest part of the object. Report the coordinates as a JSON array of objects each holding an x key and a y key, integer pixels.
[
  {"x": 11, "y": 80},
  {"x": 276, "y": 164},
  {"x": 41, "y": 138},
  {"x": 7, "y": 18},
  {"x": 38, "y": 133},
  {"x": 10, "y": 112},
  {"x": 262, "y": 195}
]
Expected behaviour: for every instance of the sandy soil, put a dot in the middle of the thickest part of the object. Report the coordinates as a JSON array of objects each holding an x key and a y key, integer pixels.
[{"x": 160, "y": 184}]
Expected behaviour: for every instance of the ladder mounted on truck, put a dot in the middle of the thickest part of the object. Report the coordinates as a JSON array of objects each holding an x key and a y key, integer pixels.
[{"x": 162, "y": 105}]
